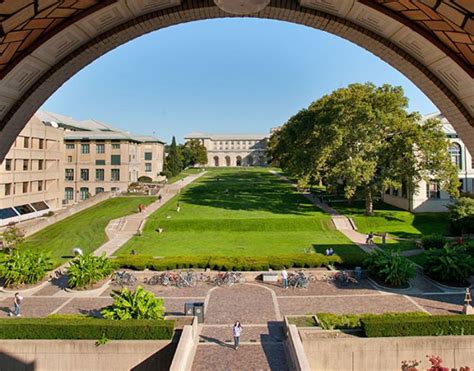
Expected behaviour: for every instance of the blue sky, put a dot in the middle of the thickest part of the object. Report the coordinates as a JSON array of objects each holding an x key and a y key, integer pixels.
[{"x": 225, "y": 75}]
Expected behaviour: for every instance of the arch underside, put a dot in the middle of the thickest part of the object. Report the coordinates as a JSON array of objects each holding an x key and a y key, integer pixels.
[{"x": 444, "y": 76}]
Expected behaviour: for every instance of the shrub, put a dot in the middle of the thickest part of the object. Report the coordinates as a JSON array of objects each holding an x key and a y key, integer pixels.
[
  {"x": 88, "y": 269},
  {"x": 84, "y": 328},
  {"x": 140, "y": 304},
  {"x": 461, "y": 215},
  {"x": 21, "y": 267},
  {"x": 419, "y": 326},
  {"x": 449, "y": 265},
  {"x": 390, "y": 267},
  {"x": 145, "y": 179},
  {"x": 12, "y": 237},
  {"x": 433, "y": 241},
  {"x": 330, "y": 321}
]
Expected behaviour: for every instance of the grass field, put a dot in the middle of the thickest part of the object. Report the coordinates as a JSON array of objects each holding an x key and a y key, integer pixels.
[
  {"x": 85, "y": 229},
  {"x": 397, "y": 222},
  {"x": 184, "y": 174},
  {"x": 237, "y": 212}
]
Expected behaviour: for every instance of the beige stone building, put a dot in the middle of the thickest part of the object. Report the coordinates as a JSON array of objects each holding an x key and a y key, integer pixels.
[
  {"x": 428, "y": 197},
  {"x": 226, "y": 150},
  {"x": 31, "y": 173},
  {"x": 57, "y": 161}
]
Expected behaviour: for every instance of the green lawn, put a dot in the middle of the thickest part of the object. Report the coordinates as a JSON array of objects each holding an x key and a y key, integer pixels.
[
  {"x": 397, "y": 222},
  {"x": 184, "y": 174},
  {"x": 237, "y": 212},
  {"x": 85, "y": 229}
]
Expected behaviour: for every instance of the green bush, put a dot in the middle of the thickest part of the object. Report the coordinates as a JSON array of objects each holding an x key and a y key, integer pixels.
[
  {"x": 88, "y": 269},
  {"x": 433, "y": 241},
  {"x": 84, "y": 328},
  {"x": 139, "y": 304},
  {"x": 461, "y": 215},
  {"x": 419, "y": 326},
  {"x": 450, "y": 265},
  {"x": 390, "y": 267},
  {"x": 330, "y": 321},
  {"x": 263, "y": 263},
  {"x": 21, "y": 267}
]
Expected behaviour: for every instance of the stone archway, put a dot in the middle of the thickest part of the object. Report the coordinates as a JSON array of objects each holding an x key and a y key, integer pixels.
[
  {"x": 228, "y": 161},
  {"x": 238, "y": 161},
  {"x": 47, "y": 42},
  {"x": 216, "y": 161}
]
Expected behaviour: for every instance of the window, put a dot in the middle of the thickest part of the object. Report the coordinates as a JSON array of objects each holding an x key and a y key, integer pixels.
[
  {"x": 7, "y": 213},
  {"x": 40, "y": 164},
  {"x": 84, "y": 193},
  {"x": 115, "y": 160},
  {"x": 404, "y": 189},
  {"x": 69, "y": 174},
  {"x": 24, "y": 209},
  {"x": 8, "y": 189},
  {"x": 25, "y": 187},
  {"x": 147, "y": 167},
  {"x": 100, "y": 162},
  {"x": 69, "y": 145},
  {"x": 40, "y": 185},
  {"x": 26, "y": 142},
  {"x": 115, "y": 175},
  {"x": 148, "y": 156},
  {"x": 40, "y": 143},
  {"x": 99, "y": 174},
  {"x": 432, "y": 190},
  {"x": 85, "y": 174},
  {"x": 100, "y": 148},
  {"x": 115, "y": 145},
  {"x": 85, "y": 148},
  {"x": 69, "y": 193},
  {"x": 40, "y": 206},
  {"x": 69, "y": 158},
  {"x": 395, "y": 192},
  {"x": 25, "y": 165},
  {"x": 99, "y": 190},
  {"x": 8, "y": 165},
  {"x": 455, "y": 154}
]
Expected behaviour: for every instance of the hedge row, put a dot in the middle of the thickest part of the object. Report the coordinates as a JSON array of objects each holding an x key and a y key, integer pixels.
[
  {"x": 418, "y": 326},
  {"x": 330, "y": 321},
  {"x": 141, "y": 262},
  {"x": 84, "y": 328}
]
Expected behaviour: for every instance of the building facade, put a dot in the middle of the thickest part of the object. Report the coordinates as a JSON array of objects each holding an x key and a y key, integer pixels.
[
  {"x": 31, "y": 173},
  {"x": 427, "y": 197},
  {"x": 227, "y": 150},
  {"x": 57, "y": 161}
]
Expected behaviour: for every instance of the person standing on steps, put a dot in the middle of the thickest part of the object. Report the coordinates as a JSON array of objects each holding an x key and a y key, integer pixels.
[
  {"x": 236, "y": 330},
  {"x": 17, "y": 299}
]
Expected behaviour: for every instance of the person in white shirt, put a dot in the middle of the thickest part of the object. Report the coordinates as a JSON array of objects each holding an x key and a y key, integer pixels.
[
  {"x": 284, "y": 278},
  {"x": 16, "y": 303},
  {"x": 236, "y": 330}
]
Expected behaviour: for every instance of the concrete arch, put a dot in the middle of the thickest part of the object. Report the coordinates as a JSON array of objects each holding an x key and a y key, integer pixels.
[
  {"x": 228, "y": 161},
  {"x": 423, "y": 55},
  {"x": 216, "y": 161}
]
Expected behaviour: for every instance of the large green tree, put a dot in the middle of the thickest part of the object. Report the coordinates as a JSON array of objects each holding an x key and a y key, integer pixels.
[
  {"x": 198, "y": 151},
  {"x": 173, "y": 164},
  {"x": 362, "y": 139}
]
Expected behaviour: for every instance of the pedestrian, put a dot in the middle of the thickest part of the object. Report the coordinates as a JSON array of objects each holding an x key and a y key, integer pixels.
[
  {"x": 284, "y": 278},
  {"x": 160, "y": 197},
  {"x": 17, "y": 299},
  {"x": 236, "y": 330},
  {"x": 178, "y": 208}
]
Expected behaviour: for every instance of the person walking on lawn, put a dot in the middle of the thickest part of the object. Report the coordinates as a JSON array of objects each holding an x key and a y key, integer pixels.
[
  {"x": 236, "y": 330},
  {"x": 17, "y": 299}
]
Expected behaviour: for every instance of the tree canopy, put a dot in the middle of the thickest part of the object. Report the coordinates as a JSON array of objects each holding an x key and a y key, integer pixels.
[
  {"x": 361, "y": 139},
  {"x": 194, "y": 153},
  {"x": 173, "y": 164}
]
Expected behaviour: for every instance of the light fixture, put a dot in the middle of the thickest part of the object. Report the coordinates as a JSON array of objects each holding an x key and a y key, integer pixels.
[{"x": 242, "y": 7}]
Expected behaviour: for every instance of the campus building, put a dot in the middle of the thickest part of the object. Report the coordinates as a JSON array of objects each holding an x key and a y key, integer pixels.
[
  {"x": 57, "y": 161},
  {"x": 225, "y": 150},
  {"x": 428, "y": 197}
]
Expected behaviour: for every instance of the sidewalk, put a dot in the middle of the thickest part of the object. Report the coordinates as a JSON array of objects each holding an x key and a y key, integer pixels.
[{"x": 119, "y": 231}]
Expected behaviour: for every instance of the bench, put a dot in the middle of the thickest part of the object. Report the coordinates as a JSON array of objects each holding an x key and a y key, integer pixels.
[{"x": 270, "y": 277}]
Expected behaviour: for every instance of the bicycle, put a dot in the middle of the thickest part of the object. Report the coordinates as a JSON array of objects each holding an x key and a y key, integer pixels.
[{"x": 123, "y": 278}]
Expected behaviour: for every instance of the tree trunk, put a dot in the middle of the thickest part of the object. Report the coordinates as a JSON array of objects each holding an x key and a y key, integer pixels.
[{"x": 369, "y": 204}]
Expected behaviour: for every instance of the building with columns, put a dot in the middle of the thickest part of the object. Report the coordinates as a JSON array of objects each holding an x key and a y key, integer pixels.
[
  {"x": 227, "y": 150},
  {"x": 427, "y": 197}
]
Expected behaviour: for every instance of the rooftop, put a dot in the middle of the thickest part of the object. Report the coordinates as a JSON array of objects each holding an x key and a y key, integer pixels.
[{"x": 213, "y": 136}]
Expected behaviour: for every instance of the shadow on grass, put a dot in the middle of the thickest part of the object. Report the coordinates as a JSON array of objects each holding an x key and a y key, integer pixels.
[{"x": 250, "y": 191}]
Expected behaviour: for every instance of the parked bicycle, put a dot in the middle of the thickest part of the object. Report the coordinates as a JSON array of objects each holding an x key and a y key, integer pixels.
[
  {"x": 123, "y": 278},
  {"x": 298, "y": 280},
  {"x": 340, "y": 277},
  {"x": 228, "y": 278}
]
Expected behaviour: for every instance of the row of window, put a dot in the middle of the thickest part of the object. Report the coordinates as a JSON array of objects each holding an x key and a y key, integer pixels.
[
  {"x": 432, "y": 191},
  {"x": 114, "y": 160},
  {"x": 19, "y": 210},
  {"x": 25, "y": 187},
  {"x": 32, "y": 142},
  {"x": 84, "y": 192},
  {"x": 23, "y": 164},
  {"x": 86, "y": 147},
  {"x": 243, "y": 142},
  {"x": 99, "y": 175}
]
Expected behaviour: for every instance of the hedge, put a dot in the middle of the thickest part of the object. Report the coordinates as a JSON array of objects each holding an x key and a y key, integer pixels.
[
  {"x": 141, "y": 262},
  {"x": 330, "y": 321},
  {"x": 84, "y": 328},
  {"x": 419, "y": 326}
]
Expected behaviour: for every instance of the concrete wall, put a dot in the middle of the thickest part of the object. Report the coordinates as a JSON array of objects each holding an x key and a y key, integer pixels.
[
  {"x": 80, "y": 355},
  {"x": 186, "y": 349},
  {"x": 362, "y": 354}
]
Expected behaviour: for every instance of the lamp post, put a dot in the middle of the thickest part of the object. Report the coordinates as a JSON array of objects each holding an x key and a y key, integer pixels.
[
  {"x": 242, "y": 7},
  {"x": 467, "y": 307}
]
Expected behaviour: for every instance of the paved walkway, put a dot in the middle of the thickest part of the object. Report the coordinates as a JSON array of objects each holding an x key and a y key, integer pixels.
[{"x": 119, "y": 231}]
